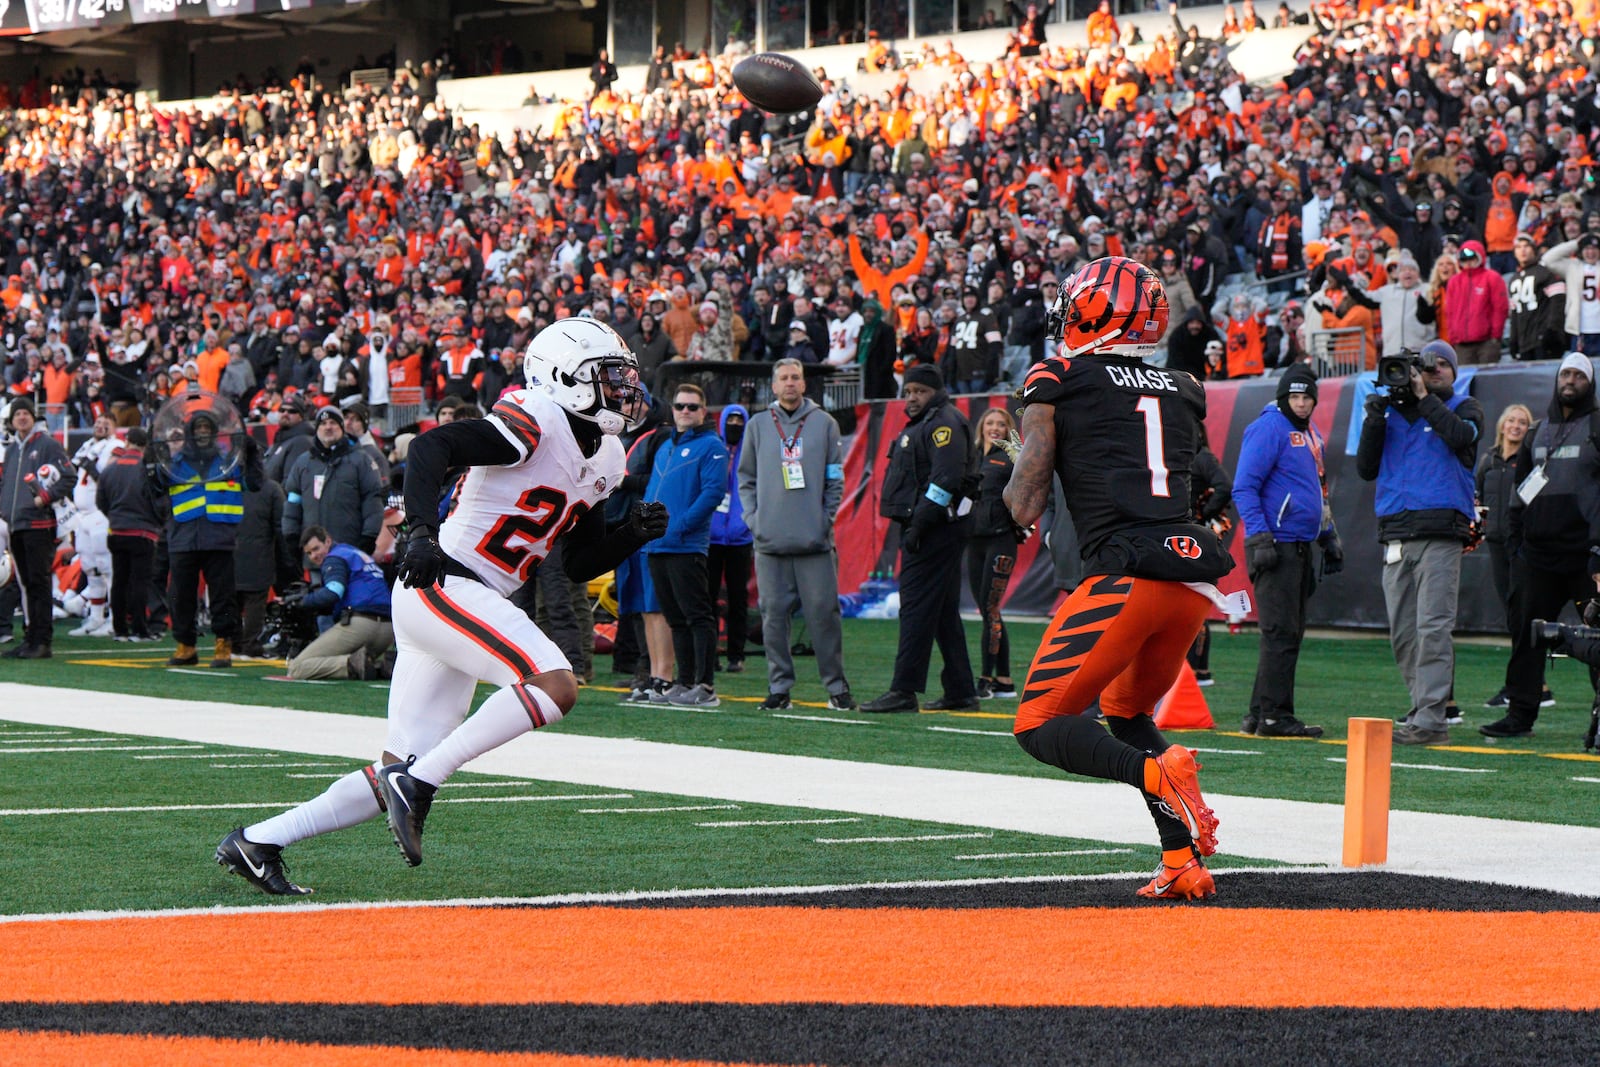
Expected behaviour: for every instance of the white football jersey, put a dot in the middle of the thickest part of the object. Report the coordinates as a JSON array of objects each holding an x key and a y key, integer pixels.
[{"x": 506, "y": 518}]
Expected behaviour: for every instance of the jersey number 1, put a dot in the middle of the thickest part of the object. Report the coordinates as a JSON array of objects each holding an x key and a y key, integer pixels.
[{"x": 1155, "y": 445}]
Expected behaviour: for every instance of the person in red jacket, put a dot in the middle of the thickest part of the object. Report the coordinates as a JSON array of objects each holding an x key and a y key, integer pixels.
[{"x": 1476, "y": 306}]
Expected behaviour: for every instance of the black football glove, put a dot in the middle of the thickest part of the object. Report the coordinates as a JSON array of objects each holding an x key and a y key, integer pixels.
[
  {"x": 1261, "y": 552},
  {"x": 1332, "y": 553},
  {"x": 421, "y": 560},
  {"x": 647, "y": 520}
]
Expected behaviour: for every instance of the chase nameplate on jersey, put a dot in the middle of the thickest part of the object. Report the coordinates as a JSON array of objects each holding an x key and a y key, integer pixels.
[{"x": 1141, "y": 378}]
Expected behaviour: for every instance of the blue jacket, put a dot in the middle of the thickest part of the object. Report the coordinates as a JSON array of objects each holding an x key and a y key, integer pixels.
[
  {"x": 727, "y": 522},
  {"x": 690, "y": 477},
  {"x": 1419, "y": 471},
  {"x": 350, "y": 579},
  {"x": 1278, "y": 485}
]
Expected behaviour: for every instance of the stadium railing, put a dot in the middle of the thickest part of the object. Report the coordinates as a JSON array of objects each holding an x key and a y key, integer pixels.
[
  {"x": 405, "y": 407},
  {"x": 1339, "y": 352}
]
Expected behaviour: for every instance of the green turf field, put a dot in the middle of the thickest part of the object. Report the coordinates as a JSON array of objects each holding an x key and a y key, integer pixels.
[{"x": 483, "y": 843}]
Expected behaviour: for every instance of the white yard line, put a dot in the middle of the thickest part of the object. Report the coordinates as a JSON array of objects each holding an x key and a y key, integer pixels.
[
  {"x": 224, "y": 755},
  {"x": 651, "y": 811},
  {"x": 90, "y": 748},
  {"x": 286, "y": 804},
  {"x": 61, "y": 740},
  {"x": 777, "y": 822},
  {"x": 1427, "y": 767},
  {"x": 823, "y": 718},
  {"x": 1059, "y": 852},
  {"x": 980, "y": 733},
  {"x": 256, "y": 766},
  {"x": 895, "y": 840},
  {"x": 1532, "y": 854}
]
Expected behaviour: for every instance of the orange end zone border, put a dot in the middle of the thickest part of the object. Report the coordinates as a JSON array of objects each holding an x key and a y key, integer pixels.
[
  {"x": 1015, "y": 957},
  {"x": 51, "y": 1049}
]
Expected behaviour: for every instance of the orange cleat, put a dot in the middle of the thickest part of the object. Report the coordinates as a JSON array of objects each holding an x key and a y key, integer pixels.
[
  {"x": 1191, "y": 881},
  {"x": 1177, "y": 785}
]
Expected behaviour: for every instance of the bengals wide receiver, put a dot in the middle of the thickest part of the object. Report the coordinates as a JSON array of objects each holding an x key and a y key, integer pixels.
[{"x": 1121, "y": 436}]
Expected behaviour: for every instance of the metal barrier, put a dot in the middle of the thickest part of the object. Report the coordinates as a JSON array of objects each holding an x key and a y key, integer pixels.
[
  {"x": 405, "y": 408},
  {"x": 370, "y": 78},
  {"x": 750, "y": 383},
  {"x": 1335, "y": 353}
]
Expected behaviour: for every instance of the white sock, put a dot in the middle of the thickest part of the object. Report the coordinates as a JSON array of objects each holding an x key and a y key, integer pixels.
[
  {"x": 347, "y": 802},
  {"x": 501, "y": 718}
]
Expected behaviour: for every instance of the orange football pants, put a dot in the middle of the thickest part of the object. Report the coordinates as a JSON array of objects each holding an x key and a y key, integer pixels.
[{"x": 1118, "y": 638}]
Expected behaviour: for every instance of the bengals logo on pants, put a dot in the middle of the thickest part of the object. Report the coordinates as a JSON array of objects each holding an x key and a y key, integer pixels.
[{"x": 1185, "y": 546}]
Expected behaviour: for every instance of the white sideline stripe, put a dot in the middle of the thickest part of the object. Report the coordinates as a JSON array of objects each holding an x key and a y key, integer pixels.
[
  {"x": 91, "y": 748},
  {"x": 1427, "y": 767},
  {"x": 895, "y": 840},
  {"x": 32, "y": 733},
  {"x": 206, "y": 673},
  {"x": 323, "y": 777},
  {"x": 286, "y": 804},
  {"x": 980, "y": 733},
  {"x": 628, "y": 896},
  {"x": 64, "y": 740},
  {"x": 1029, "y": 855},
  {"x": 778, "y": 822},
  {"x": 1586, "y": 779},
  {"x": 647, "y": 811},
  {"x": 1228, "y": 751},
  {"x": 1535, "y": 855},
  {"x": 823, "y": 718},
  {"x": 217, "y": 755}
]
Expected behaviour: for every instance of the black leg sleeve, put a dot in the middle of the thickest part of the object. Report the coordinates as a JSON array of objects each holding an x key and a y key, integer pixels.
[{"x": 1080, "y": 745}]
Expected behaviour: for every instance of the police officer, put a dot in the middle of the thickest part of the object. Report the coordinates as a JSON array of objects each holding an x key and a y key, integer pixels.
[
  {"x": 354, "y": 593},
  {"x": 929, "y": 466},
  {"x": 205, "y": 488}
]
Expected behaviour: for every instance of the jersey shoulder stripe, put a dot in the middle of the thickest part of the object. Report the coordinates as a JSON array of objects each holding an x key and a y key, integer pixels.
[{"x": 519, "y": 425}]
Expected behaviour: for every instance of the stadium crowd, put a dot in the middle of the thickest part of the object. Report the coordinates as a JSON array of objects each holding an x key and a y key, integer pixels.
[{"x": 1424, "y": 171}]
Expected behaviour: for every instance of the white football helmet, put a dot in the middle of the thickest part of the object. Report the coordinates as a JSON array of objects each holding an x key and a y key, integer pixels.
[{"x": 586, "y": 367}]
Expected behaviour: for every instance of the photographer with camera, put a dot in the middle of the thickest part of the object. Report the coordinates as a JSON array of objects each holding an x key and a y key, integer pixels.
[
  {"x": 1420, "y": 442},
  {"x": 354, "y": 593},
  {"x": 1554, "y": 533}
]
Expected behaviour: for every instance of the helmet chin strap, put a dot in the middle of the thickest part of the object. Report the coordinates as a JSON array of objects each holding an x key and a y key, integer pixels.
[{"x": 1081, "y": 349}]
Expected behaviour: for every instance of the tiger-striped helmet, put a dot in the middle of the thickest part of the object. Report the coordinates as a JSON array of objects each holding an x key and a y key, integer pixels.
[{"x": 1115, "y": 306}]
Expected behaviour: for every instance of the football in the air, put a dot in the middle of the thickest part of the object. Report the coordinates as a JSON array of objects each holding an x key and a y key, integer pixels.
[{"x": 778, "y": 83}]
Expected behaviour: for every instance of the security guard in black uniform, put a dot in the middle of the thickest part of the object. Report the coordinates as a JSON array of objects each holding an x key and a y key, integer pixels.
[{"x": 930, "y": 466}]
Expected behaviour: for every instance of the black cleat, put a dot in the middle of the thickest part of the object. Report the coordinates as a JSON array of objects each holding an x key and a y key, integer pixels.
[
  {"x": 260, "y": 865},
  {"x": 776, "y": 701},
  {"x": 407, "y": 801}
]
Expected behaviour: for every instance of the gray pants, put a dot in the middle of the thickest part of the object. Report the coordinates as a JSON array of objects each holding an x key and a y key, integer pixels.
[
  {"x": 1420, "y": 591},
  {"x": 812, "y": 582},
  {"x": 328, "y": 655}
]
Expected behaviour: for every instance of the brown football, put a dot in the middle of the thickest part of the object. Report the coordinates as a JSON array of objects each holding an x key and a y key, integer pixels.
[{"x": 778, "y": 83}]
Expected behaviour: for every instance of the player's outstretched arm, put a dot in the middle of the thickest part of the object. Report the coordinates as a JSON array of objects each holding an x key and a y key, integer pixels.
[
  {"x": 591, "y": 548},
  {"x": 1029, "y": 488}
]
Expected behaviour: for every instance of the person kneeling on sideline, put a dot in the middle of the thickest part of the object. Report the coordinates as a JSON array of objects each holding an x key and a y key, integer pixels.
[{"x": 354, "y": 593}]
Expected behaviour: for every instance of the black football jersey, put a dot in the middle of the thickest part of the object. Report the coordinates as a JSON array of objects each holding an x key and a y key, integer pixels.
[
  {"x": 971, "y": 338},
  {"x": 1125, "y": 440}
]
